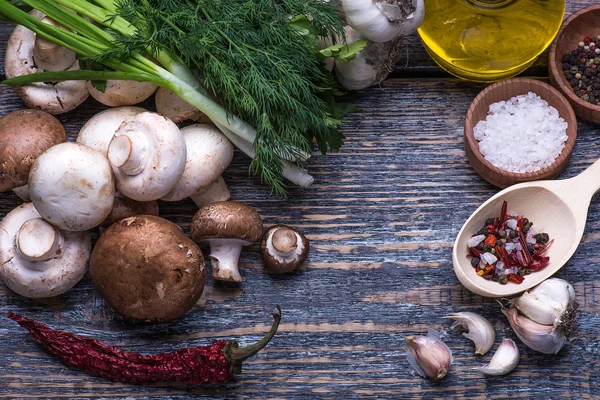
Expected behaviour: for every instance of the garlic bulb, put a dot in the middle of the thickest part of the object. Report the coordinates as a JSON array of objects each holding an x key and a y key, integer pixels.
[
  {"x": 384, "y": 20},
  {"x": 372, "y": 64},
  {"x": 552, "y": 302},
  {"x": 504, "y": 360},
  {"x": 481, "y": 331},
  {"x": 428, "y": 355},
  {"x": 543, "y": 338}
]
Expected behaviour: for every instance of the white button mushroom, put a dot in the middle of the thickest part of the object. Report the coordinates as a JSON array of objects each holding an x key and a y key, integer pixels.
[
  {"x": 227, "y": 226},
  {"x": 209, "y": 152},
  {"x": 28, "y": 54},
  {"x": 283, "y": 249},
  {"x": 100, "y": 129},
  {"x": 72, "y": 187},
  {"x": 24, "y": 136},
  {"x": 122, "y": 93},
  {"x": 36, "y": 259},
  {"x": 148, "y": 155},
  {"x": 169, "y": 105}
]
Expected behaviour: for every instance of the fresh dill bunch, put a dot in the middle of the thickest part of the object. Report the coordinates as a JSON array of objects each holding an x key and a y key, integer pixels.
[{"x": 258, "y": 64}]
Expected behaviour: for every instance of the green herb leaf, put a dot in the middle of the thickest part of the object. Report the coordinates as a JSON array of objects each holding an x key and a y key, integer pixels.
[{"x": 344, "y": 52}]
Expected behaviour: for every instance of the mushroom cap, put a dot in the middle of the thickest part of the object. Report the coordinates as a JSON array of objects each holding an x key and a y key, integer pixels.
[
  {"x": 72, "y": 187},
  {"x": 160, "y": 153},
  {"x": 43, "y": 278},
  {"x": 290, "y": 241},
  {"x": 146, "y": 268},
  {"x": 100, "y": 129},
  {"x": 24, "y": 136},
  {"x": 55, "y": 98},
  {"x": 125, "y": 208},
  {"x": 122, "y": 93},
  {"x": 169, "y": 105},
  {"x": 227, "y": 220},
  {"x": 209, "y": 152}
]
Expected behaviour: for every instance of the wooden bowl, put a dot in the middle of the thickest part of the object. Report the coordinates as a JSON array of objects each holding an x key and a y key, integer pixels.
[
  {"x": 504, "y": 90},
  {"x": 585, "y": 22}
]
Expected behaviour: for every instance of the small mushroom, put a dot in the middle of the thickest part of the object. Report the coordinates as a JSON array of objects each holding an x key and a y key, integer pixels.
[
  {"x": 72, "y": 187},
  {"x": 283, "y": 249},
  {"x": 148, "y": 155},
  {"x": 209, "y": 152},
  {"x": 125, "y": 208},
  {"x": 227, "y": 226},
  {"x": 122, "y": 93},
  {"x": 148, "y": 269},
  {"x": 169, "y": 105},
  {"x": 100, "y": 129},
  {"x": 26, "y": 54},
  {"x": 36, "y": 259},
  {"x": 24, "y": 136}
]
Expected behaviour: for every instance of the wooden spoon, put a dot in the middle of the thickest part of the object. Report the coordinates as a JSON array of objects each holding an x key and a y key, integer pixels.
[{"x": 558, "y": 208}]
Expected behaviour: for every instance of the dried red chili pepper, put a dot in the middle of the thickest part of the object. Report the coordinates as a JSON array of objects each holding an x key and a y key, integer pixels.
[
  {"x": 191, "y": 366},
  {"x": 515, "y": 278},
  {"x": 503, "y": 215},
  {"x": 490, "y": 239}
]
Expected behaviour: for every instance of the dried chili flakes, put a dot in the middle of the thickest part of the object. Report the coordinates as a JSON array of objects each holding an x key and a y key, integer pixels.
[{"x": 508, "y": 247}]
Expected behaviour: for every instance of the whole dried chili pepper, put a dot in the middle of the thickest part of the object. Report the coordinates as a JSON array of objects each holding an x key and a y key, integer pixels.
[{"x": 191, "y": 366}]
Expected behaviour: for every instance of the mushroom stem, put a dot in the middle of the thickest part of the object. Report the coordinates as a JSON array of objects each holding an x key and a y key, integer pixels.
[
  {"x": 129, "y": 151},
  {"x": 224, "y": 254},
  {"x": 285, "y": 242},
  {"x": 37, "y": 241},
  {"x": 49, "y": 56},
  {"x": 216, "y": 191}
]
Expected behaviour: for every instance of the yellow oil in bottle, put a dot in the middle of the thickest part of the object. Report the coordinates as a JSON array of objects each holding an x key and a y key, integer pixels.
[{"x": 489, "y": 40}]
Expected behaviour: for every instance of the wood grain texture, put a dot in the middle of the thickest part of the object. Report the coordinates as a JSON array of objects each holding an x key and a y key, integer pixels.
[{"x": 382, "y": 217}]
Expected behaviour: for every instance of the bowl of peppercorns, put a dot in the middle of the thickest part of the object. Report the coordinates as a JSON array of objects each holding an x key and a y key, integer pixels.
[{"x": 574, "y": 62}]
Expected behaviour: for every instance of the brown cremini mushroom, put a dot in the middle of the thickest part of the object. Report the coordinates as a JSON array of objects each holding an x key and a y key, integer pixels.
[
  {"x": 125, "y": 208},
  {"x": 227, "y": 226},
  {"x": 24, "y": 136},
  {"x": 146, "y": 268},
  {"x": 283, "y": 249}
]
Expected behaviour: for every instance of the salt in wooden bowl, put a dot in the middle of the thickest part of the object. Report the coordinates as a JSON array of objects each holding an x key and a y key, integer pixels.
[
  {"x": 585, "y": 22},
  {"x": 504, "y": 90}
]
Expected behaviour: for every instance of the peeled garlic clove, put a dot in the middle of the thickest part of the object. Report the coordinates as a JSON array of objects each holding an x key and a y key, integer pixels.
[
  {"x": 481, "y": 331},
  {"x": 505, "y": 359},
  {"x": 428, "y": 355},
  {"x": 543, "y": 338}
]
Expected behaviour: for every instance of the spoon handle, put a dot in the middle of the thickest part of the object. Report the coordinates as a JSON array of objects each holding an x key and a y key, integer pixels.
[{"x": 587, "y": 183}]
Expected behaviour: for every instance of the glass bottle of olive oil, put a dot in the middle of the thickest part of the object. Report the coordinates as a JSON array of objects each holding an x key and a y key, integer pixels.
[{"x": 489, "y": 40}]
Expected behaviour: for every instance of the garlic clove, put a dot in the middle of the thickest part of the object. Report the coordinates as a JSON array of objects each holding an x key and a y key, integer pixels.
[
  {"x": 552, "y": 302},
  {"x": 543, "y": 338},
  {"x": 504, "y": 360},
  {"x": 428, "y": 355},
  {"x": 481, "y": 331}
]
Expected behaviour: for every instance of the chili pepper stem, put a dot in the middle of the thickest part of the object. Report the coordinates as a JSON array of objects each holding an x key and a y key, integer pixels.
[{"x": 237, "y": 355}]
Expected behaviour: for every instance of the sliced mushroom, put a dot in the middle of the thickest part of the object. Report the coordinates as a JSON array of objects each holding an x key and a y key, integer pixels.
[
  {"x": 147, "y": 268},
  {"x": 227, "y": 226},
  {"x": 125, "y": 208},
  {"x": 148, "y": 155},
  {"x": 72, "y": 187},
  {"x": 283, "y": 249},
  {"x": 28, "y": 54},
  {"x": 209, "y": 152},
  {"x": 100, "y": 129},
  {"x": 24, "y": 136},
  {"x": 36, "y": 259},
  {"x": 122, "y": 93},
  {"x": 169, "y": 105}
]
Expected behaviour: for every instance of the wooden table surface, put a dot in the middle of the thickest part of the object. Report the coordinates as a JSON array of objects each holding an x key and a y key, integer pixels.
[{"x": 382, "y": 217}]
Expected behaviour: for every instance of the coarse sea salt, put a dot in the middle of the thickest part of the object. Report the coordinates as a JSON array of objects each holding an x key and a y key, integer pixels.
[{"x": 523, "y": 134}]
